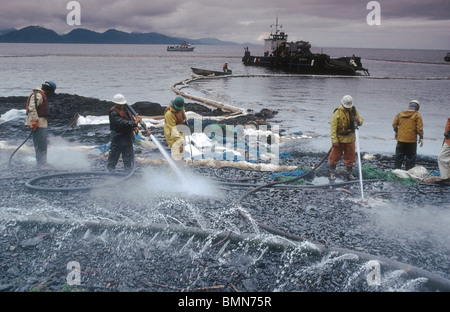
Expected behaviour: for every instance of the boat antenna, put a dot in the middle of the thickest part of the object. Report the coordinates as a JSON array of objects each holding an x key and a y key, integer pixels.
[{"x": 276, "y": 27}]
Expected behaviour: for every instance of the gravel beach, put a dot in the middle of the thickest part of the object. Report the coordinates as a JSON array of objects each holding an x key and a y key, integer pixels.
[{"x": 149, "y": 233}]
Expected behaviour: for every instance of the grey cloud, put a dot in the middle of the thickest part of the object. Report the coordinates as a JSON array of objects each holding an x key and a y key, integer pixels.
[{"x": 234, "y": 20}]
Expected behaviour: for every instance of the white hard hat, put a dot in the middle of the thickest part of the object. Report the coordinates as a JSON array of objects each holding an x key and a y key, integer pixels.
[
  {"x": 119, "y": 99},
  {"x": 347, "y": 101},
  {"x": 414, "y": 104}
]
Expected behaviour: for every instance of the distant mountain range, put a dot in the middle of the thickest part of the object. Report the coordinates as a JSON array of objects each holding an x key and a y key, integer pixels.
[{"x": 37, "y": 34}]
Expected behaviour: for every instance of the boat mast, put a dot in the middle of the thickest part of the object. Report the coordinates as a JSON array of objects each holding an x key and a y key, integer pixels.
[
  {"x": 276, "y": 28},
  {"x": 274, "y": 41}
]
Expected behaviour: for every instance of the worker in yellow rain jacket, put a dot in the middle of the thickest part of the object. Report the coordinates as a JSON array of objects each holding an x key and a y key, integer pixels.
[
  {"x": 175, "y": 115},
  {"x": 343, "y": 136},
  {"x": 408, "y": 126}
]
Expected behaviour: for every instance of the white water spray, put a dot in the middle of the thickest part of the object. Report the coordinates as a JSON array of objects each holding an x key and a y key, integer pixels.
[
  {"x": 359, "y": 161},
  {"x": 160, "y": 147},
  {"x": 169, "y": 159}
]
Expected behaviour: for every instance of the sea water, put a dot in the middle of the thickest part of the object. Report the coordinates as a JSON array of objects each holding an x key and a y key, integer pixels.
[{"x": 304, "y": 104}]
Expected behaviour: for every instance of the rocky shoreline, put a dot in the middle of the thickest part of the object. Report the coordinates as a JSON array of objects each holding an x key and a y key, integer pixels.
[{"x": 123, "y": 237}]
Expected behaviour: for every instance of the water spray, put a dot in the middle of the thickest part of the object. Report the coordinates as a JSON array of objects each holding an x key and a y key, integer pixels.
[
  {"x": 190, "y": 147},
  {"x": 359, "y": 159},
  {"x": 160, "y": 147}
]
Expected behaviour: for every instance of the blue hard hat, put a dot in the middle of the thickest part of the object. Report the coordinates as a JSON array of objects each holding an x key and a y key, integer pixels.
[{"x": 51, "y": 84}]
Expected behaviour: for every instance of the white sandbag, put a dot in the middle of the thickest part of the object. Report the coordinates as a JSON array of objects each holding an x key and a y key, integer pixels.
[
  {"x": 417, "y": 173},
  {"x": 369, "y": 157}
]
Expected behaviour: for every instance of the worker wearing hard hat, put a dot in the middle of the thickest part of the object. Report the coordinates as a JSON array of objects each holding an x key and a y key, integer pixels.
[
  {"x": 343, "y": 123},
  {"x": 123, "y": 126},
  {"x": 175, "y": 115},
  {"x": 38, "y": 111},
  {"x": 408, "y": 127}
]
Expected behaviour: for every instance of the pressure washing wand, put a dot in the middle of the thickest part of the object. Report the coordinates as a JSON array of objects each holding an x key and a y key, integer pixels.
[
  {"x": 158, "y": 145},
  {"x": 143, "y": 125},
  {"x": 359, "y": 159},
  {"x": 141, "y": 122}
]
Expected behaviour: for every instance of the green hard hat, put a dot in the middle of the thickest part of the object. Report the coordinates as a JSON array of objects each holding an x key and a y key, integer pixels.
[{"x": 178, "y": 103}]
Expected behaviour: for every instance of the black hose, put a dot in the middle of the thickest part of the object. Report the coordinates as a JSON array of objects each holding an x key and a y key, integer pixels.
[
  {"x": 234, "y": 180},
  {"x": 308, "y": 173},
  {"x": 30, "y": 183},
  {"x": 15, "y": 151}
]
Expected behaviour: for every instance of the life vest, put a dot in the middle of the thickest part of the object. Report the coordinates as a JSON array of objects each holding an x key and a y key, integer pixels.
[
  {"x": 125, "y": 116},
  {"x": 43, "y": 109},
  {"x": 347, "y": 121},
  {"x": 121, "y": 112}
]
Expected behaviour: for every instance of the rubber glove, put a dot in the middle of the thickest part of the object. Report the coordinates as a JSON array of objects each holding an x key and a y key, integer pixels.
[
  {"x": 34, "y": 125},
  {"x": 396, "y": 136},
  {"x": 421, "y": 142}
]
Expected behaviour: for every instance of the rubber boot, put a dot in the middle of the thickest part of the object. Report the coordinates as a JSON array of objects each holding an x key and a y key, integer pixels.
[
  {"x": 350, "y": 175},
  {"x": 332, "y": 172}
]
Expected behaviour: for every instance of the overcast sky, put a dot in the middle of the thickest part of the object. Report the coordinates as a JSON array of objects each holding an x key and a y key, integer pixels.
[{"x": 406, "y": 24}]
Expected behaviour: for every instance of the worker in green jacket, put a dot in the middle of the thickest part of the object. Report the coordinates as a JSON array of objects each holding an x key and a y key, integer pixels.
[{"x": 343, "y": 136}]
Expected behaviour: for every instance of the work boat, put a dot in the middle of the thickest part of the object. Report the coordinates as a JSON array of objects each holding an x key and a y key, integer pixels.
[
  {"x": 182, "y": 47},
  {"x": 297, "y": 58}
]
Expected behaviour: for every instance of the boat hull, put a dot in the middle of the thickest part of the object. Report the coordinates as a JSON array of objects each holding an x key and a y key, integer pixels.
[
  {"x": 176, "y": 49},
  {"x": 314, "y": 64},
  {"x": 206, "y": 72}
]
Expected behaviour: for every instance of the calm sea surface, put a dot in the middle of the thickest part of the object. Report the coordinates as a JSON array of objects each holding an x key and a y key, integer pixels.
[{"x": 304, "y": 103}]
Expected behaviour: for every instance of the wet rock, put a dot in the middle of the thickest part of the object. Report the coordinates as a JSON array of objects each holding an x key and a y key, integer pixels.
[
  {"x": 146, "y": 108},
  {"x": 13, "y": 270},
  {"x": 32, "y": 242}
]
